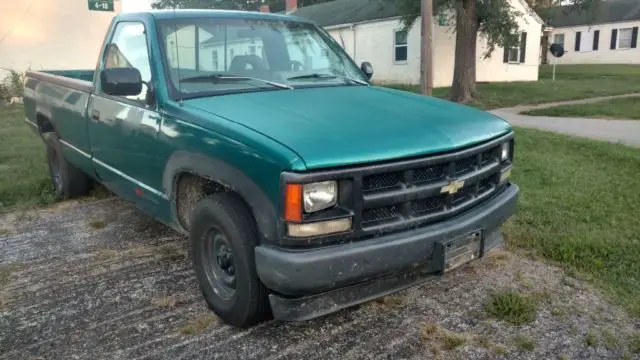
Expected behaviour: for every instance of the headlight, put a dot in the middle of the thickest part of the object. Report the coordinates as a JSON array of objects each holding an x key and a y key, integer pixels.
[
  {"x": 504, "y": 153},
  {"x": 319, "y": 196}
]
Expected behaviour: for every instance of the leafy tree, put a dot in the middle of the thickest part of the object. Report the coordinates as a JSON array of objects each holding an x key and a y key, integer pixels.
[{"x": 493, "y": 20}]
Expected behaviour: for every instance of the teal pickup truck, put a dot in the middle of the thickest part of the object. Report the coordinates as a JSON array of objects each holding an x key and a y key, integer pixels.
[{"x": 303, "y": 188}]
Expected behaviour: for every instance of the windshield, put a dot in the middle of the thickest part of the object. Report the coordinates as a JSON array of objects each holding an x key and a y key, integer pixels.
[{"x": 211, "y": 56}]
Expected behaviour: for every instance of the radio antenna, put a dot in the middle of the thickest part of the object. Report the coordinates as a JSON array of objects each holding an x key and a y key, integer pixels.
[{"x": 175, "y": 33}]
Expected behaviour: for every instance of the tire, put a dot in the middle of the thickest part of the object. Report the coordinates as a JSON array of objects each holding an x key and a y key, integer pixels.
[
  {"x": 223, "y": 236},
  {"x": 66, "y": 179}
]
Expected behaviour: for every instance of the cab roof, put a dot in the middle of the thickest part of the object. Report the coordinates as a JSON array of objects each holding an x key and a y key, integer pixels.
[{"x": 198, "y": 13}]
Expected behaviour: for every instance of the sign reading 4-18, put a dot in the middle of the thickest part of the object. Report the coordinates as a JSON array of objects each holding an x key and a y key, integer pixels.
[{"x": 101, "y": 5}]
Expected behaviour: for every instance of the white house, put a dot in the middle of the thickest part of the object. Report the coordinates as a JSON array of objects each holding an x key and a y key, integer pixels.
[
  {"x": 371, "y": 30},
  {"x": 61, "y": 34},
  {"x": 608, "y": 35}
]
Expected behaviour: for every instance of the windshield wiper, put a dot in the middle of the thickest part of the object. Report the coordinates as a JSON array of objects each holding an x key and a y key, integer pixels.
[
  {"x": 216, "y": 77},
  {"x": 327, "y": 76}
]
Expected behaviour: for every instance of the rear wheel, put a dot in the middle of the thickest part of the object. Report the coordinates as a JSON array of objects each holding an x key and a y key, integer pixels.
[
  {"x": 223, "y": 236},
  {"x": 66, "y": 179}
]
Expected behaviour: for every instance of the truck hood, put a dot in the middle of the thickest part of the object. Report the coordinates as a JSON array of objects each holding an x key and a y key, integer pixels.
[{"x": 338, "y": 126}]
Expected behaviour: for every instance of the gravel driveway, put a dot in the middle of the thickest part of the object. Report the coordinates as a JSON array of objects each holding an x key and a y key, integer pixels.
[{"x": 100, "y": 280}]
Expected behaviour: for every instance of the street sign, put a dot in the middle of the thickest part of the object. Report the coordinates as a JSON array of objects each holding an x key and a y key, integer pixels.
[{"x": 101, "y": 5}]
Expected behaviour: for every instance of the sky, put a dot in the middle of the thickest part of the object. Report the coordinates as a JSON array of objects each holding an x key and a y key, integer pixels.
[{"x": 135, "y": 5}]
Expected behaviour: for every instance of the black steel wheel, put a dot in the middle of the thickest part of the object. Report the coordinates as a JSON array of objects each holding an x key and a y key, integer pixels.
[
  {"x": 220, "y": 271},
  {"x": 223, "y": 236}
]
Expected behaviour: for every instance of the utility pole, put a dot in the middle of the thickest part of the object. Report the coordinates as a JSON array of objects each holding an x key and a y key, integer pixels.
[{"x": 426, "y": 56}]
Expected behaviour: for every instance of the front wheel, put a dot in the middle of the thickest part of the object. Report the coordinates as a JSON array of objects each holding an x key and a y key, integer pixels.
[{"x": 223, "y": 236}]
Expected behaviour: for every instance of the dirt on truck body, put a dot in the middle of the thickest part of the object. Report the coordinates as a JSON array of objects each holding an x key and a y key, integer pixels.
[{"x": 100, "y": 280}]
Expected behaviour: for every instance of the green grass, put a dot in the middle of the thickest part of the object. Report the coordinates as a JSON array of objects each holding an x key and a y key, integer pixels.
[
  {"x": 511, "y": 306},
  {"x": 589, "y": 71},
  {"x": 24, "y": 178},
  {"x": 575, "y": 82},
  {"x": 498, "y": 95},
  {"x": 579, "y": 206},
  {"x": 622, "y": 108}
]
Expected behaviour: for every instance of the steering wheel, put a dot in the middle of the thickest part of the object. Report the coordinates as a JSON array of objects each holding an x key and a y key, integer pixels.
[
  {"x": 294, "y": 65},
  {"x": 243, "y": 63}
]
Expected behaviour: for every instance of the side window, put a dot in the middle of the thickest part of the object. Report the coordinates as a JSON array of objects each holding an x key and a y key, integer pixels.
[{"x": 128, "y": 48}]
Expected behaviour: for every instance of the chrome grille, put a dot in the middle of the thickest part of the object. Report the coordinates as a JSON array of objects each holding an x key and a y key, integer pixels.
[{"x": 415, "y": 193}]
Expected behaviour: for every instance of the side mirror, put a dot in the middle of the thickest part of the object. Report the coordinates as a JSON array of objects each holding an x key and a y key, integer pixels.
[
  {"x": 367, "y": 69},
  {"x": 125, "y": 81}
]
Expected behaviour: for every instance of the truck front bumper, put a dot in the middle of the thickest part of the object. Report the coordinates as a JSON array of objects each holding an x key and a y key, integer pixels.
[{"x": 315, "y": 282}]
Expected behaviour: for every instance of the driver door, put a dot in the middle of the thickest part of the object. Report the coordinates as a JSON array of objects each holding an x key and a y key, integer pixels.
[{"x": 123, "y": 130}]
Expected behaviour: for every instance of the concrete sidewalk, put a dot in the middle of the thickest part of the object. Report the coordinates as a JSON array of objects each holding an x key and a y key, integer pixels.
[{"x": 615, "y": 131}]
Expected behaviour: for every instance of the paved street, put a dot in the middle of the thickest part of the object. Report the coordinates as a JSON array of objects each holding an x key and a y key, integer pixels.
[{"x": 616, "y": 131}]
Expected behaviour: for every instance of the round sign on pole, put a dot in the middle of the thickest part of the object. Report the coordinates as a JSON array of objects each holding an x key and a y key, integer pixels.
[{"x": 557, "y": 50}]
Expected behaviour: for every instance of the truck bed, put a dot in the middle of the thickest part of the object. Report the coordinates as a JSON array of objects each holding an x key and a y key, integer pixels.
[
  {"x": 86, "y": 75},
  {"x": 58, "y": 100}
]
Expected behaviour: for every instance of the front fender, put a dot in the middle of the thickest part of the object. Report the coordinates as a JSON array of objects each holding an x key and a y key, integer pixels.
[{"x": 230, "y": 177}]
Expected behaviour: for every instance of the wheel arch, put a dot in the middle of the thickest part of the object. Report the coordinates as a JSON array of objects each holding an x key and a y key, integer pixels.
[
  {"x": 43, "y": 120},
  {"x": 230, "y": 178}
]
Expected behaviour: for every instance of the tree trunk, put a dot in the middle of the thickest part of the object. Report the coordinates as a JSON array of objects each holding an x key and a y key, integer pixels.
[{"x": 463, "y": 88}]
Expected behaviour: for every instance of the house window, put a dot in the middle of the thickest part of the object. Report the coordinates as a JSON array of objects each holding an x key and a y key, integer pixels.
[
  {"x": 400, "y": 46},
  {"x": 514, "y": 54},
  {"x": 584, "y": 40},
  {"x": 558, "y": 39},
  {"x": 214, "y": 60},
  {"x": 624, "y": 38},
  {"x": 514, "y": 51}
]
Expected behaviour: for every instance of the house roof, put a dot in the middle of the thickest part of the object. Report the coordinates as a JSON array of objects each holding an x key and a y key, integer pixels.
[
  {"x": 340, "y": 12},
  {"x": 608, "y": 11}
]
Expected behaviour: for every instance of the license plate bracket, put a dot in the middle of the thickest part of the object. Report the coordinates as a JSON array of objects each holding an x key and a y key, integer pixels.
[{"x": 453, "y": 253}]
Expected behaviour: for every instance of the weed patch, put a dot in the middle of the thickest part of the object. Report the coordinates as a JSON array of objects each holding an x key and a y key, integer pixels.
[
  {"x": 524, "y": 342},
  {"x": 511, "y": 306},
  {"x": 199, "y": 324}
]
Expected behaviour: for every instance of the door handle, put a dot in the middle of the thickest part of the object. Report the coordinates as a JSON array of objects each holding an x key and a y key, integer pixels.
[{"x": 95, "y": 115}]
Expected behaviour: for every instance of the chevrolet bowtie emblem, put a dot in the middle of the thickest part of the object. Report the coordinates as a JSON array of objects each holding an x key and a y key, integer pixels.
[{"x": 453, "y": 187}]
